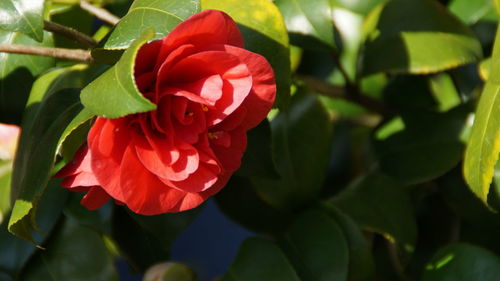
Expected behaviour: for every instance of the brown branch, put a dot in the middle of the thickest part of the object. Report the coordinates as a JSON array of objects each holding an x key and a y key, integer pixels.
[
  {"x": 327, "y": 89},
  {"x": 99, "y": 13},
  {"x": 70, "y": 33},
  {"x": 69, "y": 54}
]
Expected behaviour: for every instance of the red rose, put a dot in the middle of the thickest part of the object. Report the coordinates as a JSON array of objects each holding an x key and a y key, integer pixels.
[{"x": 209, "y": 92}]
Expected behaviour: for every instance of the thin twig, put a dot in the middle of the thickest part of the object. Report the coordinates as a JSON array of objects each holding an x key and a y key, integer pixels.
[
  {"x": 70, "y": 33},
  {"x": 99, "y": 13},
  {"x": 327, "y": 89},
  {"x": 60, "y": 53}
]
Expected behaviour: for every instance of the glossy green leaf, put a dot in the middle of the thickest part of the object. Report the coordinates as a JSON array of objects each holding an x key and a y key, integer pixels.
[
  {"x": 37, "y": 148},
  {"x": 310, "y": 18},
  {"x": 464, "y": 262},
  {"x": 162, "y": 16},
  {"x": 23, "y": 16},
  {"x": 74, "y": 253},
  {"x": 483, "y": 145},
  {"x": 444, "y": 91},
  {"x": 17, "y": 74},
  {"x": 15, "y": 251},
  {"x": 264, "y": 32},
  {"x": 317, "y": 248},
  {"x": 260, "y": 259},
  {"x": 404, "y": 43},
  {"x": 361, "y": 263},
  {"x": 257, "y": 160},
  {"x": 146, "y": 240},
  {"x": 114, "y": 93},
  {"x": 429, "y": 145},
  {"x": 470, "y": 12},
  {"x": 301, "y": 149},
  {"x": 5, "y": 176},
  {"x": 378, "y": 203}
]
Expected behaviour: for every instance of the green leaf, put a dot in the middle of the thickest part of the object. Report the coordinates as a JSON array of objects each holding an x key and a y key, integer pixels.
[
  {"x": 146, "y": 240},
  {"x": 358, "y": 6},
  {"x": 464, "y": 262},
  {"x": 23, "y": 16},
  {"x": 240, "y": 202},
  {"x": 301, "y": 149},
  {"x": 260, "y": 259},
  {"x": 5, "y": 176},
  {"x": 264, "y": 32},
  {"x": 361, "y": 263},
  {"x": 17, "y": 74},
  {"x": 170, "y": 271},
  {"x": 470, "y": 12},
  {"x": 37, "y": 148},
  {"x": 483, "y": 145},
  {"x": 404, "y": 43},
  {"x": 309, "y": 18},
  {"x": 74, "y": 252},
  {"x": 114, "y": 93},
  {"x": 162, "y": 16},
  {"x": 317, "y": 248},
  {"x": 429, "y": 145},
  {"x": 378, "y": 203},
  {"x": 15, "y": 251},
  {"x": 257, "y": 160}
]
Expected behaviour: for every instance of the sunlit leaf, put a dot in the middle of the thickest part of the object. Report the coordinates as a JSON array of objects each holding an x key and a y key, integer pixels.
[{"x": 23, "y": 16}]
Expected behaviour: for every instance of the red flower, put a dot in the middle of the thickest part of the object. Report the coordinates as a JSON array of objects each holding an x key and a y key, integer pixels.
[{"x": 209, "y": 92}]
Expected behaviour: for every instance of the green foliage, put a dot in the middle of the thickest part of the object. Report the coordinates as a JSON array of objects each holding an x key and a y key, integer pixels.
[
  {"x": 379, "y": 160},
  {"x": 23, "y": 16},
  {"x": 122, "y": 96},
  {"x": 484, "y": 143},
  {"x": 402, "y": 42}
]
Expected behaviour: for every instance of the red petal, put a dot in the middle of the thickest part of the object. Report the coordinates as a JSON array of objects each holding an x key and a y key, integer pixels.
[
  {"x": 147, "y": 57},
  {"x": 95, "y": 198},
  {"x": 230, "y": 157},
  {"x": 143, "y": 193},
  {"x": 261, "y": 98},
  {"x": 108, "y": 139},
  {"x": 202, "y": 179},
  {"x": 206, "y": 28}
]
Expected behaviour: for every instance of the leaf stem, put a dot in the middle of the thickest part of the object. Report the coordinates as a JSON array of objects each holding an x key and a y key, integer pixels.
[
  {"x": 70, "y": 33},
  {"x": 99, "y": 13},
  {"x": 327, "y": 89},
  {"x": 60, "y": 53}
]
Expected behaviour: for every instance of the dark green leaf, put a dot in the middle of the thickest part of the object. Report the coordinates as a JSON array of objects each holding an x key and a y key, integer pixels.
[
  {"x": 162, "y": 16},
  {"x": 74, "y": 253},
  {"x": 37, "y": 148},
  {"x": 23, "y": 16},
  {"x": 309, "y": 17},
  {"x": 463, "y": 262},
  {"x": 257, "y": 160},
  {"x": 404, "y": 43},
  {"x": 379, "y": 204},
  {"x": 429, "y": 145},
  {"x": 16, "y": 251},
  {"x": 264, "y": 33},
  {"x": 361, "y": 263},
  {"x": 301, "y": 148},
  {"x": 17, "y": 73},
  {"x": 483, "y": 145},
  {"x": 240, "y": 202},
  {"x": 260, "y": 259},
  {"x": 114, "y": 93},
  {"x": 317, "y": 248},
  {"x": 146, "y": 240}
]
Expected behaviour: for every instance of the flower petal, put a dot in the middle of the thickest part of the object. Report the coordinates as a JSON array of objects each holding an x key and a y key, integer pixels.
[
  {"x": 95, "y": 198},
  {"x": 202, "y": 29},
  {"x": 142, "y": 191}
]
